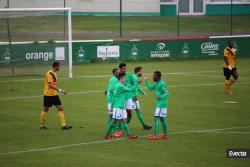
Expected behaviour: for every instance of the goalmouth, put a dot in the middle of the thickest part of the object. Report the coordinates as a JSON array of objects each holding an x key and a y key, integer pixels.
[{"x": 15, "y": 21}]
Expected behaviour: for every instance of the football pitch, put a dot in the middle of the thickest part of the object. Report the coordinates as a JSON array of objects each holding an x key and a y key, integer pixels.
[{"x": 203, "y": 122}]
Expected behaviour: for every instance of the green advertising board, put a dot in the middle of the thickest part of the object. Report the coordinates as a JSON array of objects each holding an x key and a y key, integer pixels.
[
  {"x": 33, "y": 53},
  {"x": 150, "y": 49},
  {"x": 45, "y": 53}
]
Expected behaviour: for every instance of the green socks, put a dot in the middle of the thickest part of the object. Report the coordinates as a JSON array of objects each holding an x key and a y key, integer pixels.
[
  {"x": 164, "y": 125},
  {"x": 109, "y": 119},
  {"x": 139, "y": 116},
  {"x": 126, "y": 128},
  {"x": 110, "y": 128},
  {"x": 156, "y": 126}
]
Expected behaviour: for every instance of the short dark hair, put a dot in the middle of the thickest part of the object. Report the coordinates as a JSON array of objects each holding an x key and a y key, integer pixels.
[
  {"x": 114, "y": 69},
  {"x": 158, "y": 74},
  {"x": 120, "y": 75},
  {"x": 137, "y": 69},
  {"x": 122, "y": 65},
  {"x": 55, "y": 64}
]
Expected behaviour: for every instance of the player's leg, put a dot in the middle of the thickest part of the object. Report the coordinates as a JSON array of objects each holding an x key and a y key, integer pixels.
[
  {"x": 156, "y": 125},
  {"x": 125, "y": 125},
  {"x": 110, "y": 129},
  {"x": 118, "y": 129},
  {"x": 234, "y": 76},
  {"x": 60, "y": 113},
  {"x": 110, "y": 113},
  {"x": 129, "y": 109},
  {"x": 164, "y": 123},
  {"x": 46, "y": 104},
  {"x": 227, "y": 74},
  {"x": 43, "y": 116},
  {"x": 117, "y": 115},
  {"x": 136, "y": 106}
]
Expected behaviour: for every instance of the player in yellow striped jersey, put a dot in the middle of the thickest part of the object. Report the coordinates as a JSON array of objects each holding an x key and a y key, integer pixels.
[
  {"x": 229, "y": 67},
  {"x": 51, "y": 97}
]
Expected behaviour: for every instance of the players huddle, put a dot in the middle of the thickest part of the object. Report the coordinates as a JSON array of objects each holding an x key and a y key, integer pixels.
[{"x": 122, "y": 98}]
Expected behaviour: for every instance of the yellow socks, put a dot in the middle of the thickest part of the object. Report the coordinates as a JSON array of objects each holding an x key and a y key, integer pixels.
[
  {"x": 232, "y": 80},
  {"x": 61, "y": 118},
  {"x": 227, "y": 86},
  {"x": 42, "y": 118}
]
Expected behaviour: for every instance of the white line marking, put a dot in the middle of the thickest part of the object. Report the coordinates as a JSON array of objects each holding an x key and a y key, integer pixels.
[
  {"x": 191, "y": 73},
  {"x": 241, "y": 133},
  {"x": 231, "y": 102},
  {"x": 100, "y": 91},
  {"x": 113, "y": 140}
]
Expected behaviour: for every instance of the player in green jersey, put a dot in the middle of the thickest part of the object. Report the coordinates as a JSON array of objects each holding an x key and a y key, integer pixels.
[
  {"x": 110, "y": 92},
  {"x": 135, "y": 103},
  {"x": 161, "y": 91},
  {"x": 119, "y": 106},
  {"x": 128, "y": 83}
]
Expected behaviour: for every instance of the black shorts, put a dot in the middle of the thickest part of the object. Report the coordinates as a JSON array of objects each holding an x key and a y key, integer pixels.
[
  {"x": 48, "y": 101},
  {"x": 228, "y": 73}
]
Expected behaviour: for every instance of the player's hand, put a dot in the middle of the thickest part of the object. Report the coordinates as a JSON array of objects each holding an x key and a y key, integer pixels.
[
  {"x": 229, "y": 67},
  {"x": 62, "y": 91},
  {"x": 146, "y": 77},
  {"x": 139, "y": 81},
  {"x": 158, "y": 97}
]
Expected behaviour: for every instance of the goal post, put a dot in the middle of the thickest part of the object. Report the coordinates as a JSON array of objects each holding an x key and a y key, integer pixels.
[{"x": 34, "y": 26}]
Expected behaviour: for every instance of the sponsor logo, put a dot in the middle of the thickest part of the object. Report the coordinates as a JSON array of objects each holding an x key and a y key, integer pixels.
[
  {"x": 81, "y": 54},
  {"x": 210, "y": 48},
  {"x": 238, "y": 153},
  {"x": 185, "y": 50},
  {"x": 7, "y": 56},
  {"x": 134, "y": 53},
  {"x": 161, "y": 46},
  {"x": 104, "y": 52},
  {"x": 39, "y": 56},
  {"x": 160, "y": 51}
]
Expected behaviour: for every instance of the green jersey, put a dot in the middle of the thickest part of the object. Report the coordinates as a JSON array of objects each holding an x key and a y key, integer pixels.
[
  {"x": 135, "y": 79},
  {"x": 128, "y": 83},
  {"x": 120, "y": 93},
  {"x": 161, "y": 90},
  {"x": 111, "y": 87}
]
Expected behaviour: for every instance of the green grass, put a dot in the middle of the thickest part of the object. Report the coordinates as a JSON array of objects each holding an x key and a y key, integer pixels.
[
  {"x": 135, "y": 24},
  {"x": 191, "y": 108}
]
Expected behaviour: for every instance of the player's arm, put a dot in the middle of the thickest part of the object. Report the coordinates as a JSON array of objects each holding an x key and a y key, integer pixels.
[
  {"x": 148, "y": 85},
  {"x": 141, "y": 90},
  {"x": 130, "y": 89},
  {"x": 51, "y": 85}
]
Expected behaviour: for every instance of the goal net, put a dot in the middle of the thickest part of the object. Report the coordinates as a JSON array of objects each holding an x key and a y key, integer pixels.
[{"x": 31, "y": 39}]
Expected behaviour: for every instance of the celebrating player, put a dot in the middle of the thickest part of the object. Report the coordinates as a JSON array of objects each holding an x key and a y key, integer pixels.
[
  {"x": 128, "y": 83},
  {"x": 135, "y": 103},
  {"x": 229, "y": 67},
  {"x": 51, "y": 97},
  {"x": 110, "y": 92},
  {"x": 162, "y": 93},
  {"x": 119, "y": 108}
]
